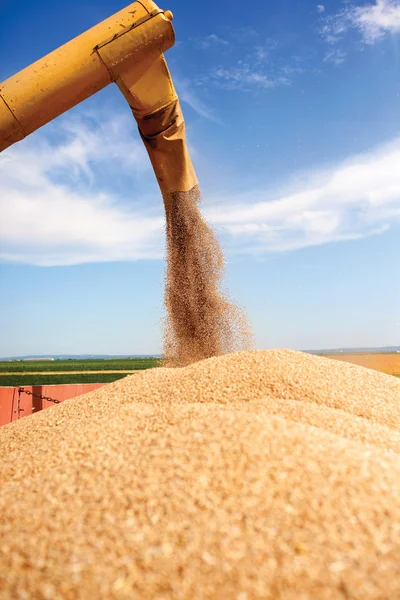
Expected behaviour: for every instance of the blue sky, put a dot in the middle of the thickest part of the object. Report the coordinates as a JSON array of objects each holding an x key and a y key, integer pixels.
[{"x": 293, "y": 121}]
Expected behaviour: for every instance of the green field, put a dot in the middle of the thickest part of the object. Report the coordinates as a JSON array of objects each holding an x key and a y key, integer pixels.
[
  {"x": 32, "y": 379},
  {"x": 46, "y": 372},
  {"x": 114, "y": 364}
]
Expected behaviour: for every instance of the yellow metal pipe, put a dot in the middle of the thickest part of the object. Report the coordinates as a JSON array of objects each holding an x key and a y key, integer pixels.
[
  {"x": 131, "y": 40},
  {"x": 155, "y": 106}
]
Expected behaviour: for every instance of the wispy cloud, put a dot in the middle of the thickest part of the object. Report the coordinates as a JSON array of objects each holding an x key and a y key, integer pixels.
[
  {"x": 242, "y": 34},
  {"x": 55, "y": 212},
  {"x": 320, "y": 8},
  {"x": 263, "y": 52},
  {"x": 335, "y": 56},
  {"x": 192, "y": 99},
  {"x": 245, "y": 59},
  {"x": 244, "y": 77},
  {"x": 334, "y": 27},
  {"x": 289, "y": 70},
  {"x": 91, "y": 140},
  {"x": 210, "y": 41},
  {"x": 261, "y": 66},
  {"x": 373, "y": 21}
]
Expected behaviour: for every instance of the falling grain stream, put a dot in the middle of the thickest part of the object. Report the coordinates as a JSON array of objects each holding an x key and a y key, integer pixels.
[{"x": 201, "y": 321}]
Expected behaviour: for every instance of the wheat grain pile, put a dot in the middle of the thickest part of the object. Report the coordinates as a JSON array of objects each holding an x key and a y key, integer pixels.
[
  {"x": 257, "y": 475},
  {"x": 201, "y": 321}
]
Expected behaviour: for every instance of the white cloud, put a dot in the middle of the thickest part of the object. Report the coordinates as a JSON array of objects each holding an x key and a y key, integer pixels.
[
  {"x": 55, "y": 210},
  {"x": 373, "y": 21},
  {"x": 51, "y": 213},
  {"x": 377, "y": 20},
  {"x": 355, "y": 199},
  {"x": 320, "y": 8}
]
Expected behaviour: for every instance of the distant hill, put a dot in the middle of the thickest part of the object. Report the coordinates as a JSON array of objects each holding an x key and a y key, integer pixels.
[{"x": 384, "y": 349}]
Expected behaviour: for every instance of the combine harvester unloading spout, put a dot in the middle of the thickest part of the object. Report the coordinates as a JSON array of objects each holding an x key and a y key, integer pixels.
[{"x": 127, "y": 48}]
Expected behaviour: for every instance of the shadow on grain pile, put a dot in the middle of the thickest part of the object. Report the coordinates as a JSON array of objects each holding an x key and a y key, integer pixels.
[{"x": 253, "y": 475}]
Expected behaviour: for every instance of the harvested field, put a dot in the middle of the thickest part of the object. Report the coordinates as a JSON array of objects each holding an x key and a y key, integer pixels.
[
  {"x": 386, "y": 363},
  {"x": 257, "y": 475}
]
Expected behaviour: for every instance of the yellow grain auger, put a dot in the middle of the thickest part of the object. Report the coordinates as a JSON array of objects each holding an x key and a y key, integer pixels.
[{"x": 127, "y": 49}]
